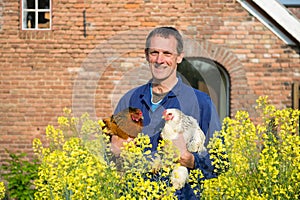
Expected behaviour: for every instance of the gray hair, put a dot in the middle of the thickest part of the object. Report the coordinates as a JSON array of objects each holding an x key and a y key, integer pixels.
[{"x": 166, "y": 32}]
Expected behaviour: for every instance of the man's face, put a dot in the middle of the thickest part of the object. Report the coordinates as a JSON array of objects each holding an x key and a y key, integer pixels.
[{"x": 163, "y": 57}]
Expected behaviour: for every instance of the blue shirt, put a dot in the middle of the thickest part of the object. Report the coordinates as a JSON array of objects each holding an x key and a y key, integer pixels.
[{"x": 191, "y": 102}]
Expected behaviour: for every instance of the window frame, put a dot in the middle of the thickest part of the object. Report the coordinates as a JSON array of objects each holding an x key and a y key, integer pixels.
[{"x": 36, "y": 10}]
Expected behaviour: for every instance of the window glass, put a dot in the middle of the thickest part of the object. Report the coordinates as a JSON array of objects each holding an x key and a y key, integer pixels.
[
  {"x": 209, "y": 77},
  {"x": 292, "y": 3},
  {"x": 30, "y": 20},
  {"x": 30, "y": 4},
  {"x": 43, "y": 4}
]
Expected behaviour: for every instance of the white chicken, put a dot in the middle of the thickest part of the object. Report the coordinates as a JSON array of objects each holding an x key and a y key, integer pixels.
[{"x": 179, "y": 123}]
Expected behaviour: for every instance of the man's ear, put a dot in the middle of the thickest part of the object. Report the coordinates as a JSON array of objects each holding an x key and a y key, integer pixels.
[
  {"x": 179, "y": 58},
  {"x": 147, "y": 55}
]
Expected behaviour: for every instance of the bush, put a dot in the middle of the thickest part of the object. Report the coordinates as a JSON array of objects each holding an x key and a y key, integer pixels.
[
  {"x": 19, "y": 174},
  {"x": 257, "y": 162},
  {"x": 81, "y": 165},
  {"x": 253, "y": 161}
]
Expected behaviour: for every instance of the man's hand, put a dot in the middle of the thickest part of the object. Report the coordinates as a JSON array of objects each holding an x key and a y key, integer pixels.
[
  {"x": 117, "y": 144},
  {"x": 186, "y": 158}
]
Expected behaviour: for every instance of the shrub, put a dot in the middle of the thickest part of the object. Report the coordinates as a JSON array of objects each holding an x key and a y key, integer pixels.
[
  {"x": 78, "y": 164},
  {"x": 19, "y": 174},
  {"x": 254, "y": 161},
  {"x": 257, "y": 161}
]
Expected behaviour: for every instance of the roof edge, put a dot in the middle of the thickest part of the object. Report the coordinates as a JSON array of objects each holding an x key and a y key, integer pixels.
[{"x": 289, "y": 24}]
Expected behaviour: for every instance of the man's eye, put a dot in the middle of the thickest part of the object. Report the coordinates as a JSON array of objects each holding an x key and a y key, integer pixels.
[
  {"x": 154, "y": 53},
  {"x": 167, "y": 54}
]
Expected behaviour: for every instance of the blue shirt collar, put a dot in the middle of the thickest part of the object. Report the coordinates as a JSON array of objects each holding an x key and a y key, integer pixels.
[{"x": 147, "y": 95}]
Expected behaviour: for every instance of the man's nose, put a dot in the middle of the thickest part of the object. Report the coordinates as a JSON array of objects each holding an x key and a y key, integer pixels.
[{"x": 160, "y": 58}]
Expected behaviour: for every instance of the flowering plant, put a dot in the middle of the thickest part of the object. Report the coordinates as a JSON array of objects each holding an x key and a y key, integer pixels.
[
  {"x": 253, "y": 161},
  {"x": 69, "y": 167},
  {"x": 256, "y": 161},
  {"x": 2, "y": 190},
  {"x": 78, "y": 164}
]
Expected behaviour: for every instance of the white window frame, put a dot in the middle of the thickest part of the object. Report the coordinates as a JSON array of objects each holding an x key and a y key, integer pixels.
[{"x": 36, "y": 10}]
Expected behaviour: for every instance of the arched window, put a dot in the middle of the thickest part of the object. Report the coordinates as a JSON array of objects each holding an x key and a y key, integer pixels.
[{"x": 210, "y": 77}]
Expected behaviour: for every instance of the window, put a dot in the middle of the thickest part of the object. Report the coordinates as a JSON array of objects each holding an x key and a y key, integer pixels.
[
  {"x": 36, "y": 14},
  {"x": 290, "y": 3},
  {"x": 209, "y": 77}
]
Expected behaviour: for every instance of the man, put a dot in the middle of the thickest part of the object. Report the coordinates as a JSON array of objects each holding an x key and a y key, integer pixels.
[{"x": 164, "y": 51}]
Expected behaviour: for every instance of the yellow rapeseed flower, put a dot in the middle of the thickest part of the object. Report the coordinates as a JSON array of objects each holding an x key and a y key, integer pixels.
[
  {"x": 263, "y": 160},
  {"x": 2, "y": 190}
]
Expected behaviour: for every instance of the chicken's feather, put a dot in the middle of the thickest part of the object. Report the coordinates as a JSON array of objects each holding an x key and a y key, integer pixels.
[
  {"x": 179, "y": 123},
  {"x": 126, "y": 123}
]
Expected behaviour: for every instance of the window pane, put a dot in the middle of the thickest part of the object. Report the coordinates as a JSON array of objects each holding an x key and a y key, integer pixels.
[
  {"x": 290, "y": 2},
  {"x": 42, "y": 20},
  {"x": 30, "y": 19},
  {"x": 43, "y": 4},
  {"x": 29, "y": 4}
]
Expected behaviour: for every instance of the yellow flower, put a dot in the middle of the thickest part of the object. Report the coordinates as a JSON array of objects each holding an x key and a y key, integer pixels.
[
  {"x": 79, "y": 164},
  {"x": 2, "y": 190},
  {"x": 262, "y": 161}
]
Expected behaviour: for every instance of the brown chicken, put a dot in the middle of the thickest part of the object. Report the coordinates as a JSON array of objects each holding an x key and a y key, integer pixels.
[{"x": 127, "y": 123}]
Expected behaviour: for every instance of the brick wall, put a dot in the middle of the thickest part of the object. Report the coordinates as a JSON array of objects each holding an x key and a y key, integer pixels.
[{"x": 44, "y": 71}]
